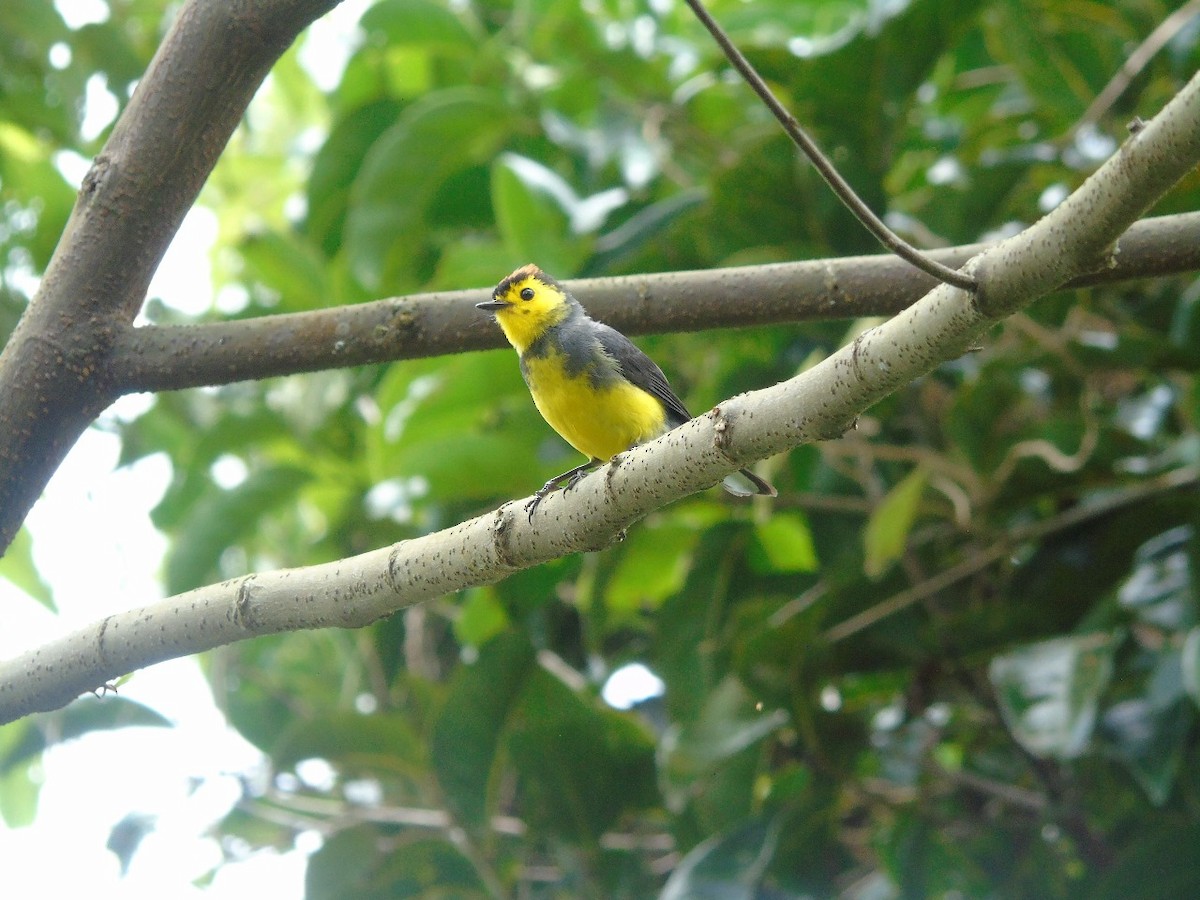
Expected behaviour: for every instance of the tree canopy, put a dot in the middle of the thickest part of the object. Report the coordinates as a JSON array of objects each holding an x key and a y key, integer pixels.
[{"x": 958, "y": 654}]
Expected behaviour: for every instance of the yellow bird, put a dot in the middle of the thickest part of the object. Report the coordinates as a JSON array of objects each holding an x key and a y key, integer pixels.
[{"x": 589, "y": 381}]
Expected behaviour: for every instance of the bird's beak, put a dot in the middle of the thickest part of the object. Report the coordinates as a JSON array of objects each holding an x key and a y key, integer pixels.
[{"x": 493, "y": 305}]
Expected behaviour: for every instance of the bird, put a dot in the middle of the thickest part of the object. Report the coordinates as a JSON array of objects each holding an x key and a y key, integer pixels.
[{"x": 591, "y": 384}]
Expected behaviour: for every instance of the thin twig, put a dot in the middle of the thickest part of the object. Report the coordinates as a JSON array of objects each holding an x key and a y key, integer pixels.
[
  {"x": 853, "y": 445},
  {"x": 797, "y": 605},
  {"x": 1136, "y": 61},
  {"x": 1048, "y": 453},
  {"x": 845, "y": 193},
  {"x": 926, "y": 588},
  {"x": 334, "y": 813},
  {"x": 1170, "y": 481},
  {"x": 991, "y": 787}
]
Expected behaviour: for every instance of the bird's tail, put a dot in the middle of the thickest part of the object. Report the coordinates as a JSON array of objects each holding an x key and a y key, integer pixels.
[{"x": 743, "y": 483}]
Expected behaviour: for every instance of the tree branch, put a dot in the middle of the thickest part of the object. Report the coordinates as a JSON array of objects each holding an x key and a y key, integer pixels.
[
  {"x": 1004, "y": 547},
  {"x": 824, "y": 167},
  {"x": 53, "y": 370},
  {"x": 1166, "y": 31},
  {"x": 817, "y": 404},
  {"x": 163, "y": 358}
]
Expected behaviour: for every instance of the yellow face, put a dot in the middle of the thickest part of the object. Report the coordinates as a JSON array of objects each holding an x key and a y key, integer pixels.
[
  {"x": 526, "y": 303},
  {"x": 598, "y": 418}
]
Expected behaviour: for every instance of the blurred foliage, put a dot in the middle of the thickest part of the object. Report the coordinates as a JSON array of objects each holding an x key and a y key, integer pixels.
[{"x": 959, "y": 655}]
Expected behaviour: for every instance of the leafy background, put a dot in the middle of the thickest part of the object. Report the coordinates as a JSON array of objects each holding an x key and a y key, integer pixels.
[{"x": 959, "y": 654}]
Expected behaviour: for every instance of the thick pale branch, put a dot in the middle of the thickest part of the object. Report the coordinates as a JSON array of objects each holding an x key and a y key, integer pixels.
[
  {"x": 53, "y": 369},
  {"x": 819, "y": 403},
  {"x": 159, "y": 358}
]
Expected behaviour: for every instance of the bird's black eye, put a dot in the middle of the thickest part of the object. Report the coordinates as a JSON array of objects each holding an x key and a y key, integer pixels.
[{"x": 527, "y": 293}]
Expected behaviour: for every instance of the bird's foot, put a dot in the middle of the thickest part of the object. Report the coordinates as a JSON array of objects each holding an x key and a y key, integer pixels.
[
  {"x": 565, "y": 481},
  {"x": 544, "y": 491},
  {"x": 575, "y": 478}
]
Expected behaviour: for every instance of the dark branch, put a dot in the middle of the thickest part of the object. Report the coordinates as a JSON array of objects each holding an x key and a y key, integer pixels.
[
  {"x": 53, "y": 371},
  {"x": 169, "y": 358}
]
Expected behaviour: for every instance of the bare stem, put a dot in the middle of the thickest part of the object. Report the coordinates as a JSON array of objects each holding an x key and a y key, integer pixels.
[
  {"x": 1136, "y": 61},
  {"x": 844, "y": 191},
  {"x": 1173, "y": 480}
]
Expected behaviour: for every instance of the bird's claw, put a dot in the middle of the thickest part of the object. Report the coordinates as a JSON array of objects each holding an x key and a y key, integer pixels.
[
  {"x": 563, "y": 482},
  {"x": 548, "y": 488},
  {"x": 532, "y": 505}
]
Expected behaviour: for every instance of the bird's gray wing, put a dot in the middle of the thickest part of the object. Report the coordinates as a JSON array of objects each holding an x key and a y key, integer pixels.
[{"x": 638, "y": 368}]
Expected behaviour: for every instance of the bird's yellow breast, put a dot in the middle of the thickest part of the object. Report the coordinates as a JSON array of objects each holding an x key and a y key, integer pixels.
[{"x": 598, "y": 422}]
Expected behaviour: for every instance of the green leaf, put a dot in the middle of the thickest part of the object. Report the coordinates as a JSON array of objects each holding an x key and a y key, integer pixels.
[
  {"x": 1049, "y": 692},
  {"x": 24, "y": 740},
  {"x": 31, "y": 182},
  {"x": 467, "y": 732},
  {"x": 432, "y": 867},
  {"x": 532, "y": 206},
  {"x": 338, "y": 164},
  {"x": 342, "y": 866},
  {"x": 729, "y": 866},
  {"x": 890, "y": 523},
  {"x": 581, "y": 766},
  {"x": 16, "y": 566},
  {"x": 1149, "y": 732},
  {"x": 1190, "y": 663},
  {"x": 422, "y": 22},
  {"x": 1061, "y": 82},
  {"x": 273, "y": 671},
  {"x": 471, "y": 262},
  {"x": 1160, "y": 589},
  {"x": 1151, "y": 865},
  {"x": 27, "y": 30},
  {"x": 685, "y": 622},
  {"x": 290, "y": 268},
  {"x": 442, "y": 133},
  {"x": 221, "y": 518},
  {"x": 481, "y": 617},
  {"x": 1150, "y": 739},
  {"x": 865, "y": 56},
  {"x": 19, "y": 791},
  {"x": 465, "y": 424},
  {"x": 369, "y": 863},
  {"x": 653, "y": 563},
  {"x": 730, "y": 723},
  {"x": 640, "y": 230},
  {"x": 348, "y": 740},
  {"x": 783, "y": 543}
]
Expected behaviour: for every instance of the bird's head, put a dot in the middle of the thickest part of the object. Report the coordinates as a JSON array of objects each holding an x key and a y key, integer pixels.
[{"x": 526, "y": 303}]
